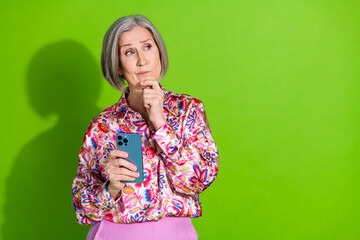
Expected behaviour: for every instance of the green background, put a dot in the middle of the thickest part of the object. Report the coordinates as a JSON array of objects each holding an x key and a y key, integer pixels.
[{"x": 280, "y": 81}]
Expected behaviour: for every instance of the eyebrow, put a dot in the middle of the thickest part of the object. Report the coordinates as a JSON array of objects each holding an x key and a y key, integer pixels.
[{"x": 129, "y": 44}]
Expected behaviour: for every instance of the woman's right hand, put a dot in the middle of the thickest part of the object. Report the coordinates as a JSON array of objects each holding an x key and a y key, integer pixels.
[{"x": 118, "y": 170}]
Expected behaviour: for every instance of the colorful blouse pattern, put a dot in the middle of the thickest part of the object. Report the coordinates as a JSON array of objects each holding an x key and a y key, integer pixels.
[{"x": 180, "y": 161}]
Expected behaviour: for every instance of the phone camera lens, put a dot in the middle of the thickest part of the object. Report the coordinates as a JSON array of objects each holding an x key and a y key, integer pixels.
[
  {"x": 120, "y": 143},
  {"x": 125, "y": 140},
  {"x": 120, "y": 137}
]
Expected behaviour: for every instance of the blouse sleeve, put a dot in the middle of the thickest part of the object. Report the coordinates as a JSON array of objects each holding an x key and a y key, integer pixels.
[
  {"x": 192, "y": 159},
  {"x": 91, "y": 198}
]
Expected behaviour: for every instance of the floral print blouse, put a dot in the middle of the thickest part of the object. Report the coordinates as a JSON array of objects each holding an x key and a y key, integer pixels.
[{"x": 180, "y": 160}]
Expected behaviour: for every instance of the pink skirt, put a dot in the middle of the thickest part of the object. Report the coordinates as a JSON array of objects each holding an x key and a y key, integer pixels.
[{"x": 168, "y": 228}]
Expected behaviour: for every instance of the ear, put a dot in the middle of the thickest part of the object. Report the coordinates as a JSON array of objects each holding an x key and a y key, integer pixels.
[{"x": 120, "y": 72}]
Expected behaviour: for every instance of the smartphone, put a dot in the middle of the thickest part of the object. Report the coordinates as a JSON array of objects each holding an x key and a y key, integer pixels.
[{"x": 131, "y": 143}]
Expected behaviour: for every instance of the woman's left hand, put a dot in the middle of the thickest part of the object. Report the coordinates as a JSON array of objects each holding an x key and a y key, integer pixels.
[{"x": 153, "y": 102}]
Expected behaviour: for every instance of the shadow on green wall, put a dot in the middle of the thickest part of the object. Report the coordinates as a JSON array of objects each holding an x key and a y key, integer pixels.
[{"x": 62, "y": 80}]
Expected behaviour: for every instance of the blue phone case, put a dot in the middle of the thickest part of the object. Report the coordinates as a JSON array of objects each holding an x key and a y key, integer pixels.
[{"x": 131, "y": 143}]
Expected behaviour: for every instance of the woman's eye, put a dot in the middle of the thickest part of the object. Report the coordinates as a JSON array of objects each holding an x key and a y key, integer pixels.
[
  {"x": 129, "y": 52},
  {"x": 148, "y": 47}
]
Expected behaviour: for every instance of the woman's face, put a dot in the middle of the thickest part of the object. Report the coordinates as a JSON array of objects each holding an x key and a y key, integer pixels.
[{"x": 139, "y": 56}]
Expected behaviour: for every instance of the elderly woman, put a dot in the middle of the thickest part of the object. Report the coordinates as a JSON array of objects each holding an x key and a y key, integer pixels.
[{"x": 180, "y": 158}]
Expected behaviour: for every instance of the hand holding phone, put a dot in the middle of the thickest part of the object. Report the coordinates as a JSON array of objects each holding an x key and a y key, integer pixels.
[
  {"x": 118, "y": 171},
  {"x": 131, "y": 144}
]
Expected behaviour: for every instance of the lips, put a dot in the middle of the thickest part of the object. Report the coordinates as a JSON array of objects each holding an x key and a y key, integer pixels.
[{"x": 143, "y": 73}]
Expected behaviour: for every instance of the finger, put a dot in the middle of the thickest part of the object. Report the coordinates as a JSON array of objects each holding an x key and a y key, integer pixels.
[
  {"x": 127, "y": 164},
  {"x": 120, "y": 178},
  {"x": 120, "y": 162},
  {"x": 151, "y": 95},
  {"x": 125, "y": 172},
  {"x": 122, "y": 171},
  {"x": 148, "y": 104},
  {"x": 153, "y": 84},
  {"x": 151, "y": 101},
  {"x": 127, "y": 178},
  {"x": 152, "y": 92},
  {"x": 116, "y": 178},
  {"x": 118, "y": 154}
]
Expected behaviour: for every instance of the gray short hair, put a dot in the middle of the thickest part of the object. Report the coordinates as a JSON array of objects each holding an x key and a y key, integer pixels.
[{"x": 110, "y": 50}]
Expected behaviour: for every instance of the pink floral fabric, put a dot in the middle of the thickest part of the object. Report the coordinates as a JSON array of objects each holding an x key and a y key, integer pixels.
[{"x": 180, "y": 161}]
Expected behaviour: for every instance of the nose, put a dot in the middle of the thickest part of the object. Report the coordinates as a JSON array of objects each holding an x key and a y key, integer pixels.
[{"x": 142, "y": 60}]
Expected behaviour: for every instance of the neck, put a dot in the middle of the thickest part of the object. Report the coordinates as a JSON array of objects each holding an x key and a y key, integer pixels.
[{"x": 135, "y": 101}]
